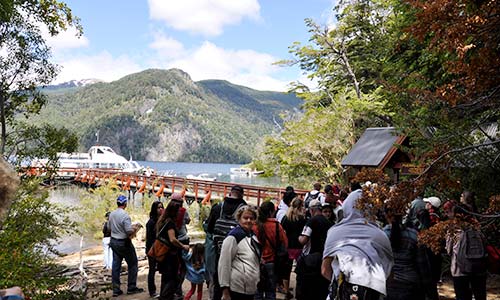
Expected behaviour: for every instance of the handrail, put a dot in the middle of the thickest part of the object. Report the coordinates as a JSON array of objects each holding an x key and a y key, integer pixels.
[{"x": 196, "y": 188}]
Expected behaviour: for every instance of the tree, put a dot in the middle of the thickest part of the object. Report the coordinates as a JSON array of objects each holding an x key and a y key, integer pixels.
[
  {"x": 347, "y": 62},
  {"x": 445, "y": 81},
  {"x": 24, "y": 61}
]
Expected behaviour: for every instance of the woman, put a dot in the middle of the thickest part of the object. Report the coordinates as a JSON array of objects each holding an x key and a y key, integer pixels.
[
  {"x": 154, "y": 213},
  {"x": 108, "y": 252},
  {"x": 268, "y": 231},
  {"x": 469, "y": 278},
  {"x": 240, "y": 258},
  {"x": 170, "y": 266},
  {"x": 410, "y": 274},
  {"x": 293, "y": 223}
]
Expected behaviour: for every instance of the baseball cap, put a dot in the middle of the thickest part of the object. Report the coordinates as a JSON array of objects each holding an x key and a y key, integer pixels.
[
  {"x": 315, "y": 203},
  {"x": 121, "y": 199},
  {"x": 434, "y": 201},
  {"x": 237, "y": 188}
]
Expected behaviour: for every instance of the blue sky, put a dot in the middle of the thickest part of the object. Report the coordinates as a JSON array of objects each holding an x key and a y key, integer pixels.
[{"x": 235, "y": 40}]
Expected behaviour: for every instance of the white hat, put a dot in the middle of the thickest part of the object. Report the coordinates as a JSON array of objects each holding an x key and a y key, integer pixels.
[
  {"x": 434, "y": 201},
  {"x": 315, "y": 203}
]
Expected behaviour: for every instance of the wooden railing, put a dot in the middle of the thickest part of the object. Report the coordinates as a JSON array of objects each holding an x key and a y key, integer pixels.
[{"x": 162, "y": 186}]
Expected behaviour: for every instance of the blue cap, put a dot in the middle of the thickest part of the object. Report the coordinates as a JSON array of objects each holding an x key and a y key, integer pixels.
[{"x": 122, "y": 199}]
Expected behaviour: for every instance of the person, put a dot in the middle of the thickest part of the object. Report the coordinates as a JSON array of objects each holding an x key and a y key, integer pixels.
[
  {"x": 330, "y": 197},
  {"x": 169, "y": 267},
  {"x": 108, "y": 252},
  {"x": 183, "y": 219},
  {"x": 269, "y": 231},
  {"x": 154, "y": 214},
  {"x": 429, "y": 217},
  {"x": 465, "y": 284},
  {"x": 238, "y": 269},
  {"x": 9, "y": 182},
  {"x": 326, "y": 210},
  {"x": 293, "y": 223},
  {"x": 417, "y": 206},
  {"x": 411, "y": 264},
  {"x": 310, "y": 284},
  {"x": 285, "y": 203},
  {"x": 468, "y": 199},
  {"x": 314, "y": 194},
  {"x": 227, "y": 208},
  {"x": 195, "y": 265},
  {"x": 121, "y": 244},
  {"x": 12, "y": 293},
  {"x": 357, "y": 256}
]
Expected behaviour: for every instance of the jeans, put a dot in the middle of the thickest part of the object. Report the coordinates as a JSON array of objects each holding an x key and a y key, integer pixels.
[
  {"x": 465, "y": 286},
  {"x": 169, "y": 277},
  {"x": 269, "y": 290},
  {"x": 151, "y": 276},
  {"x": 123, "y": 249}
]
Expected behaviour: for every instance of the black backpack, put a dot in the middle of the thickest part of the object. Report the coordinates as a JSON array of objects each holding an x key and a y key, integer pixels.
[
  {"x": 223, "y": 225},
  {"x": 309, "y": 198},
  {"x": 472, "y": 255}
]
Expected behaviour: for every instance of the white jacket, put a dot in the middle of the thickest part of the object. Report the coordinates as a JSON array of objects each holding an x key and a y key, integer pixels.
[{"x": 239, "y": 262}]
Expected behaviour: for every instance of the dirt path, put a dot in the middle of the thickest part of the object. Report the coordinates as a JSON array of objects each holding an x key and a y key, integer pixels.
[{"x": 99, "y": 279}]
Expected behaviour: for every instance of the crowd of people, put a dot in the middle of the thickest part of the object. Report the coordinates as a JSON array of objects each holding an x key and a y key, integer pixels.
[{"x": 338, "y": 251}]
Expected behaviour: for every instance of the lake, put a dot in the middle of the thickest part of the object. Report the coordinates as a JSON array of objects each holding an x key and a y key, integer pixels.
[{"x": 220, "y": 171}]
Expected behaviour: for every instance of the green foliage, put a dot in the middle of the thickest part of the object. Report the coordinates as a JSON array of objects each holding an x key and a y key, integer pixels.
[
  {"x": 24, "y": 61},
  {"x": 28, "y": 238},
  {"x": 347, "y": 62}
]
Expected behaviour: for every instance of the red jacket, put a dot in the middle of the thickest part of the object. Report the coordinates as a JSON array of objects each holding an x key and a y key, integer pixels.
[{"x": 268, "y": 240}]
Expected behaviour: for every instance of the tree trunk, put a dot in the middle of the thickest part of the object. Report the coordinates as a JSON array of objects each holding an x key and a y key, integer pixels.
[{"x": 3, "y": 136}]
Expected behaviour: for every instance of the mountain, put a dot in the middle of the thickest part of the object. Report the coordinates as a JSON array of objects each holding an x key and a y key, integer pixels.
[
  {"x": 163, "y": 115},
  {"x": 72, "y": 84}
]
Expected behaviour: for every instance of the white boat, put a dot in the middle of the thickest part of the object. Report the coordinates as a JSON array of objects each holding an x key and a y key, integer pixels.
[
  {"x": 203, "y": 176},
  {"x": 98, "y": 157},
  {"x": 240, "y": 171}
]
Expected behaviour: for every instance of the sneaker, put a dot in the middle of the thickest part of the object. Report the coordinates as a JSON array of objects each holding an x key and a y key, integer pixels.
[
  {"x": 116, "y": 294},
  {"x": 154, "y": 295},
  {"x": 135, "y": 291}
]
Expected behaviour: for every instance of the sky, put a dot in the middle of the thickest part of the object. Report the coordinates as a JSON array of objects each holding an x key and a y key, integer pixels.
[{"x": 233, "y": 40}]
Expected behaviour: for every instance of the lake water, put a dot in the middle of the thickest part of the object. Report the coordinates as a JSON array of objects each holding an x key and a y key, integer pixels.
[{"x": 220, "y": 171}]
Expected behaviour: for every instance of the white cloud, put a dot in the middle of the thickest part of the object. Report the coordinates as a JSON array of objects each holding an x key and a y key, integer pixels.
[
  {"x": 101, "y": 66},
  {"x": 207, "y": 17},
  {"x": 166, "y": 46},
  {"x": 65, "y": 40},
  {"x": 244, "y": 67}
]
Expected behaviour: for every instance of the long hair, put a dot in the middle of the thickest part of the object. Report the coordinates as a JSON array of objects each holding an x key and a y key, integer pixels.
[
  {"x": 153, "y": 213},
  {"x": 470, "y": 199},
  {"x": 295, "y": 212},
  {"x": 169, "y": 214},
  {"x": 396, "y": 232},
  {"x": 266, "y": 210},
  {"x": 198, "y": 256}
]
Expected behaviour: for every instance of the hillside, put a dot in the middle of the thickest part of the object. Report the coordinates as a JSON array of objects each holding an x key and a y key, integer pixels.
[{"x": 163, "y": 115}]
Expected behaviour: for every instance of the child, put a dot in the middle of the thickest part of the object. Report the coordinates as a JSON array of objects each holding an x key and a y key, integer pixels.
[{"x": 195, "y": 266}]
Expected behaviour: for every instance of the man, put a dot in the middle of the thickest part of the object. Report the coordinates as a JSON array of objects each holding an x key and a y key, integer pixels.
[
  {"x": 121, "y": 243},
  {"x": 314, "y": 194},
  {"x": 228, "y": 206},
  {"x": 310, "y": 284}
]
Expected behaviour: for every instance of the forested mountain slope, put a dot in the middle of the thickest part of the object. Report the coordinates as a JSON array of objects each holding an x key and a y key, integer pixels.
[{"x": 164, "y": 115}]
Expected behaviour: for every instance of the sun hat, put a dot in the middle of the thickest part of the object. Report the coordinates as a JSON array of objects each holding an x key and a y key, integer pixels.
[{"x": 434, "y": 201}]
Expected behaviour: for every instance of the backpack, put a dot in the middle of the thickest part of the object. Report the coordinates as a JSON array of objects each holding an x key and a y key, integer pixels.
[
  {"x": 472, "y": 255},
  {"x": 223, "y": 225},
  {"x": 309, "y": 198}
]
